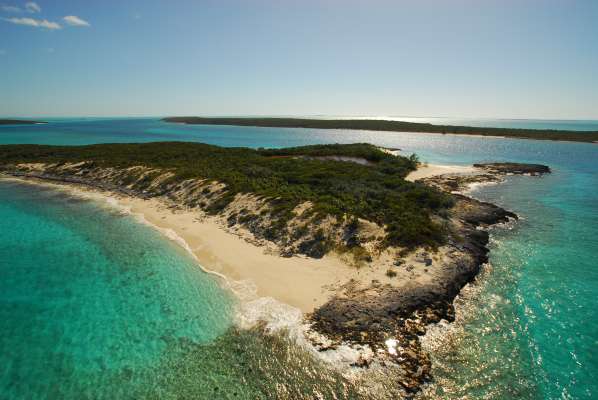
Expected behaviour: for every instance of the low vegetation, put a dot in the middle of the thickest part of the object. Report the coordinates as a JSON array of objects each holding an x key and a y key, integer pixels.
[
  {"x": 285, "y": 178},
  {"x": 395, "y": 126},
  {"x": 18, "y": 122}
]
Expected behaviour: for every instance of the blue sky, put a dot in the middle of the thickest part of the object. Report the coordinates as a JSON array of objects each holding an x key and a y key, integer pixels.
[{"x": 477, "y": 58}]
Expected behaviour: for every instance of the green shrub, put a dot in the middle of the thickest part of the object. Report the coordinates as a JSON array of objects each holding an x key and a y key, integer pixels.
[{"x": 376, "y": 192}]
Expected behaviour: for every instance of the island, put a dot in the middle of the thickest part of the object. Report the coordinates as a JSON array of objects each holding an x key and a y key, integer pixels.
[
  {"x": 394, "y": 126},
  {"x": 337, "y": 231},
  {"x": 19, "y": 122}
]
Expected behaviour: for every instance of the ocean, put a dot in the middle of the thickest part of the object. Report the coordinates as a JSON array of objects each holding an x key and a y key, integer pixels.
[{"x": 96, "y": 304}]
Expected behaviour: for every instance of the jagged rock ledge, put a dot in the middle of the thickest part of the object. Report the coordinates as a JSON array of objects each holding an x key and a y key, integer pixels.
[
  {"x": 389, "y": 319},
  {"x": 514, "y": 168},
  {"x": 486, "y": 173}
]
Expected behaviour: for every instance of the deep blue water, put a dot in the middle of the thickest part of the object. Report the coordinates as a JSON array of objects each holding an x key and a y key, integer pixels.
[{"x": 533, "y": 331}]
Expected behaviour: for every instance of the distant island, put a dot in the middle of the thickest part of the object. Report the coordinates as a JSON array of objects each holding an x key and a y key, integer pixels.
[
  {"x": 394, "y": 126},
  {"x": 339, "y": 231},
  {"x": 19, "y": 122}
]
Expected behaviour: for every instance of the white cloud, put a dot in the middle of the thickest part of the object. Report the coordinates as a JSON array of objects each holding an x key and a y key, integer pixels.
[
  {"x": 75, "y": 21},
  {"x": 32, "y": 7},
  {"x": 10, "y": 9},
  {"x": 37, "y": 23},
  {"x": 49, "y": 25}
]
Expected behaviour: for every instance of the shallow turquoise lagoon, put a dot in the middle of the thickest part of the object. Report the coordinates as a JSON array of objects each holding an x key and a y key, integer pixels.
[
  {"x": 531, "y": 331},
  {"x": 91, "y": 298},
  {"x": 96, "y": 305}
]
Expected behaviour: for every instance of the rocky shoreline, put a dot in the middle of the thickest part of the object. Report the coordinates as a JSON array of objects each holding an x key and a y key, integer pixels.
[
  {"x": 487, "y": 173},
  {"x": 384, "y": 320},
  {"x": 388, "y": 319}
]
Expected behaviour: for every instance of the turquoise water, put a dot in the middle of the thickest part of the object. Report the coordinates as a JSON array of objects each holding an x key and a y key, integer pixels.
[
  {"x": 89, "y": 296},
  {"x": 103, "y": 130},
  {"x": 96, "y": 305},
  {"x": 531, "y": 332}
]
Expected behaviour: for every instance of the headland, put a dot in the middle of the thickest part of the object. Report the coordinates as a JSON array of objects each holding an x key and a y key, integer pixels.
[{"x": 337, "y": 231}]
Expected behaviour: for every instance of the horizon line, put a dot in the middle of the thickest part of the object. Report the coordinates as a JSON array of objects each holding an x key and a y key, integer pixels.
[{"x": 298, "y": 116}]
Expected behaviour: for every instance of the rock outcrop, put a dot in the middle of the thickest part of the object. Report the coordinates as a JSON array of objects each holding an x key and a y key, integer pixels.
[{"x": 377, "y": 315}]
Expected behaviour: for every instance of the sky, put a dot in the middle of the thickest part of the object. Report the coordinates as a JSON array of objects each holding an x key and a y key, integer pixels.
[{"x": 448, "y": 58}]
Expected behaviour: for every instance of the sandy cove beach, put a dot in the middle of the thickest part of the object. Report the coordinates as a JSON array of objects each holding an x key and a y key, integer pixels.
[
  {"x": 254, "y": 271},
  {"x": 430, "y": 170},
  {"x": 298, "y": 281}
]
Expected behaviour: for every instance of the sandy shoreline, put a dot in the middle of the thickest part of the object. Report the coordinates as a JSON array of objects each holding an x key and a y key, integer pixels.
[
  {"x": 429, "y": 170},
  {"x": 299, "y": 281},
  {"x": 252, "y": 271}
]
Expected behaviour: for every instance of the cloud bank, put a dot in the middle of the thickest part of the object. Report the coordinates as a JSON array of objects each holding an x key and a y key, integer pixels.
[
  {"x": 34, "y": 8},
  {"x": 73, "y": 20},
  {"x": 37, "y": 23}
]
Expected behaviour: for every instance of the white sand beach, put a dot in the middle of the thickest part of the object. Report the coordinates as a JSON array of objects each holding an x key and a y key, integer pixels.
[
  {"x": 429, "y": 170},
  {"x": 302, "y": 282}
]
